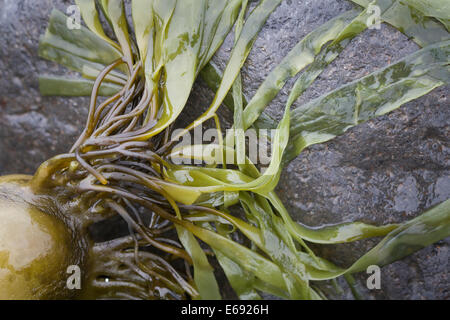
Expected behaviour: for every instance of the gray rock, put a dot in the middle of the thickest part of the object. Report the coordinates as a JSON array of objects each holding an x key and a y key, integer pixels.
[
  {"x": 388, "y": 170},
  {"x": 32, "y": 128}
]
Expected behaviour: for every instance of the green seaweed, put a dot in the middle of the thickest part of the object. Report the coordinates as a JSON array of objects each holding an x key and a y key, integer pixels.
[{"x": 125, "y": 153}]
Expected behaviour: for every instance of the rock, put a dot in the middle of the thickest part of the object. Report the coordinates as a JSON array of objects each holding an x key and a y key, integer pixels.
[
  {"x": 388, "y": 170},
  {"x": 32, "y": 128}
]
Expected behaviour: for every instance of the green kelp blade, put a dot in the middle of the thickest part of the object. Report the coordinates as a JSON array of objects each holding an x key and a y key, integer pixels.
[
  {"x": 316, "y": 268},
  {"x": 429, "y": 227},
  {"x": 61, "y": 86},
  {"x": 219, "y": 19},
  {"x": 113, "y": 76},
  {"x": 339, "y": 29},
  {"x": 330, "y": 53},
  {"x": 142, "y": 13},
  {"x": 225, "y": 25},
  {"x": 182, "y": 46},
  {"x": 439, "y": 9},
  {"x": 209, "y": 180},
  {"x": 180, "y": 54},
  {"x": 115, "y": 11},
  {"x": 303, "y": 54},
  {"x": 155, "y": 60},
  {"x": 145, "y": 31},
  {"x": 242, "y": 281},
  {"x": 78, "y": 49},
  {"x": 300, "y": 56},
  {"x": 213, "y": 14},
  {"x": 80, "y": 42},
  {"x": 249, "y": 260},
  {"x": 67, "y": 59},
  {"x": 91, "y": 19},
  {"x": 206, "y": 180},
  {"x": 281, "y": 252},
  {"x": 423, "y": 30},
  {"x": 340, "y": 34},
  {"x": 239, "y": 54},
  {"x": 201, "y": 180},
  {"x": 376, "y": 94},
  {"x": 163, "y": 12},
  {"x": 204, "y": 277},
  {"x": 314, "y": 265},
  {"x": 276, "y": 292},
  {"x": 179, "y": 58},
  {"x": 203, "y": 272},
  {"x": 339, "y": 233},
  {"x": 211, "y": 75},
  {"x": 238, "y": 112}
]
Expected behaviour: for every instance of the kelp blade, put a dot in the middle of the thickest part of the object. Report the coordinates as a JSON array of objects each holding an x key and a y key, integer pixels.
[
  {"x": 239, "y": 54},
  {"x": 74, "y": 48},
  {"x": 376, "y": 94},
  {"x": 408, "y": 20},
  {"x": 91, "y": 18},
  {"x": 62, "y": 86},
  {"x": 426, "y": 229},
  {"x": 300, "y": 56}
]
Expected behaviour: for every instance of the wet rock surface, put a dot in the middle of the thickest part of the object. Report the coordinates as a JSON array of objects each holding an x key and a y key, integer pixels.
[
  {"x": 388, "y": 170},
  {"x": 32, "y": 128}
]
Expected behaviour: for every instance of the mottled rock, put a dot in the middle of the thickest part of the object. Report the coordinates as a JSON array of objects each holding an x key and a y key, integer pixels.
[{"x": 387, "y": 170}]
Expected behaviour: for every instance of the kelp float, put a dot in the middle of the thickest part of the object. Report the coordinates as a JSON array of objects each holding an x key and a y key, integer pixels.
[{"x": 121, "y": 165}]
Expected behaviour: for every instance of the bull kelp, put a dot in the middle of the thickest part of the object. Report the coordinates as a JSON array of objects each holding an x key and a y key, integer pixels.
[{"x": 186, "y": 205}]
